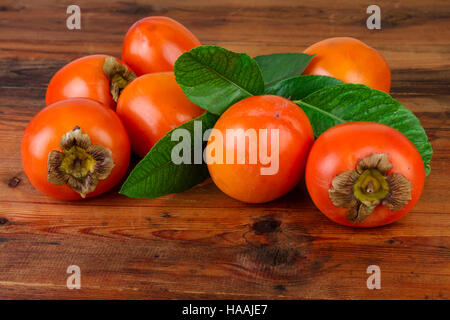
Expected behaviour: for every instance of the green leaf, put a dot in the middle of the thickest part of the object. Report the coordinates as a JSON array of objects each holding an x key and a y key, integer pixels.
[
  {"x": 156, "y": 175},
  {"x": 280, "y": 66},
  {"x": 351, "y": 102},
  {"x": 300, "y": 87},
  {"x": 215, "y": 78}
]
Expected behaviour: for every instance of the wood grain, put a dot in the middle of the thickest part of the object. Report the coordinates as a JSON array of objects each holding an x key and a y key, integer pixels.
[{"x": 200, "y": 243}]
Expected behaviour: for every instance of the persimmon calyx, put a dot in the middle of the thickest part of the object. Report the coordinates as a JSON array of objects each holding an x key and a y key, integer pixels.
[
  {"x": 80, "y": 164},
  {"x": 119, "y": 75},
  {"x": 363, "y": 189}
]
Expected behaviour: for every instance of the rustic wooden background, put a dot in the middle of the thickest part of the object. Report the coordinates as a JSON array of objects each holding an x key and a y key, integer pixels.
[{"x": 202, "y": 244}]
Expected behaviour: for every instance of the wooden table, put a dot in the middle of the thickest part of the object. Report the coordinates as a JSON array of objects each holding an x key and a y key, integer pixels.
[{"x": 201, "y": 243}]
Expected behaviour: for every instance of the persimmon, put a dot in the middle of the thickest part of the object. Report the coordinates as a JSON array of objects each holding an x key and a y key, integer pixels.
[
  {"x": 151, "y": 106},
  {"x": 272, "y": 130},
  {"x": 364, "y": 174},
  {"x": 349, "y": 60},
  {"x": 75, "y": 148},
  {"x": 153, "y": 44},
  {"x": 97, "y": 77}
]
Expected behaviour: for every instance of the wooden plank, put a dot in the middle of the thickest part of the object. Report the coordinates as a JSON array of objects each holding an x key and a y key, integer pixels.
[{"x": 201, "y": 243}]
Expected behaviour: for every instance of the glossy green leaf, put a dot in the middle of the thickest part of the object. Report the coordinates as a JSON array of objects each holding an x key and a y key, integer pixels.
[
  {"x": 156, "y": 174},
  {"x": 300, "y": 87},
  {"x": 279, "y": 66},
  {"x": 215, "y": 78},
  {"x": 352, "y": 102}
]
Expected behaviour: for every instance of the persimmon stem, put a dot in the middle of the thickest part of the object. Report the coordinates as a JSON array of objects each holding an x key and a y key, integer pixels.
[
  {"x": 119, "y": 75},
  {"x": 363, "y": 189},
  {"x": 80, "y": 165}
]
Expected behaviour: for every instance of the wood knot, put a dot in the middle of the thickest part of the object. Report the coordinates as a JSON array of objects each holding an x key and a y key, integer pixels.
[
  {"x": 14, "y": 182},
  {"x": 166, "y": 215},
  {"x": 275, "y": 256},
  {"x": 266, "y": 226},
  {"x": 280, "y": 287},
  {"x": 3, "y": 221}
]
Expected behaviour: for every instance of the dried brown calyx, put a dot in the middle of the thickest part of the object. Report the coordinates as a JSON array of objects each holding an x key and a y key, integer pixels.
[
  {"x": 80, "y": 164},
  {"x": 119, "y": 75},
  {"x": 363, "y": 189}
]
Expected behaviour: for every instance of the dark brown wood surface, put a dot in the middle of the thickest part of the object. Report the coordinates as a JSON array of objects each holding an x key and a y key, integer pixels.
[{"x": 201, "y": 243}]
